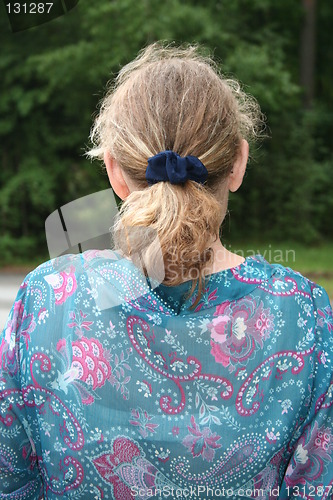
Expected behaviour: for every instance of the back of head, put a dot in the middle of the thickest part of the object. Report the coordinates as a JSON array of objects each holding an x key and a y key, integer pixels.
[{"x": 172, "y": 98}]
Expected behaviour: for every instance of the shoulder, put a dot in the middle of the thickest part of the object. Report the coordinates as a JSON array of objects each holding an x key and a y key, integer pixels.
[
  {"x": 278, "y": 274},
  {"x": 284, "y": 284},
  {"x": 59, "y": 277},
  {"x": 101, "y": 276},
  {"x": 72, "y": 266}
]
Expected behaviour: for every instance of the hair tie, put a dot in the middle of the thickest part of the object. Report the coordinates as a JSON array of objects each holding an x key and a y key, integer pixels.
[{"x": 169, "y": 166}]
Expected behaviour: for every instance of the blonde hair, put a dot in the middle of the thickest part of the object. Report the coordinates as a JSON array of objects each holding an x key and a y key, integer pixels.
[{"x": 173, "y": 98}]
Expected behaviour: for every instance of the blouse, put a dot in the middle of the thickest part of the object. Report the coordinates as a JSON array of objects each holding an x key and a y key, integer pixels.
[{"x": 111, "y": 387}]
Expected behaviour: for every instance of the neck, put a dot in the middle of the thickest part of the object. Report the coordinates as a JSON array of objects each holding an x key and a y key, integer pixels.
[{"x": 223, "y": 258}]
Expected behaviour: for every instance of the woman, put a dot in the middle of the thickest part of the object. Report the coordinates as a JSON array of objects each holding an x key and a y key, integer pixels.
[{"x": 212, "y": 381}]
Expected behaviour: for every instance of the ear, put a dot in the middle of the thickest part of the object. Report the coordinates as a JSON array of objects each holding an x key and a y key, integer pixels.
[
  {"x": 238, "y": 170},
  {"x": 116, "y": 177}
]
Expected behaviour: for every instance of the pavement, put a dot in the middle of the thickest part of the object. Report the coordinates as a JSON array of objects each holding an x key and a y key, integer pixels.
[{"x": 9, "y": 286}]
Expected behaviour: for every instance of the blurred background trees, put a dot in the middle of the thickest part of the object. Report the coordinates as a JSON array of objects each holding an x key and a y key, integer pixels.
[{"x": 53, "y": 75}]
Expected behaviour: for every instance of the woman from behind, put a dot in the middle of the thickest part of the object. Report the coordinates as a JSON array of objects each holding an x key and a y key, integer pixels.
[{"x": 168, "y": 366}]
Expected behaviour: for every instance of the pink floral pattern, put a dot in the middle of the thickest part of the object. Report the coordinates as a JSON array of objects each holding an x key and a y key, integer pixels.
[
  {"x": 127, "y": 469},
  {"x": 20, "y": 320},
  {"x": 88, "y": 365},
  {"x": 142, "y": 419},
  {"x": 124, "y": 452},
  {"x": 238, "y": 329},
  {"x": 326, "y": 318},
  {"x": 64, "y": 284},
  {"x": 201, "y": 442},
  {"x": 312, "y": 453},
  {"x": 79, "y": 322}
]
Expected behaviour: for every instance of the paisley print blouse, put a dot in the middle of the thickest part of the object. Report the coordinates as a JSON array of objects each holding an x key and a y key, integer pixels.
[{"x": 111, "y": 387}]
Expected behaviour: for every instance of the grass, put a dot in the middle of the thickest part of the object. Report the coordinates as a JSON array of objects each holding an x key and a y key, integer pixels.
[{"x": 316, "y": 263}]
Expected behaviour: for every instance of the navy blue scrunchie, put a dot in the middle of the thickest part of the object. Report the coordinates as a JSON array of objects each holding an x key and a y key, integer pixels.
[{"x": 169, "y": 166}]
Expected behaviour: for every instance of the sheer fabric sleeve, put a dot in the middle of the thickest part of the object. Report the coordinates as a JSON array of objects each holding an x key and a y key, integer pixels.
[
  {"x": 19, "y": 476},
  {"x": 309, "y": 472}
]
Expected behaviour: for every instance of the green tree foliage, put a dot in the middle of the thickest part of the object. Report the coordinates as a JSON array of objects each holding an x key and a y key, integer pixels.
[{"x": 53, "y": 76}]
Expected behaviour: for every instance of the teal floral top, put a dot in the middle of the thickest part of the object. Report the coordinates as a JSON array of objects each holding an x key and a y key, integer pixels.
[{"x": 112, "y": 388}]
